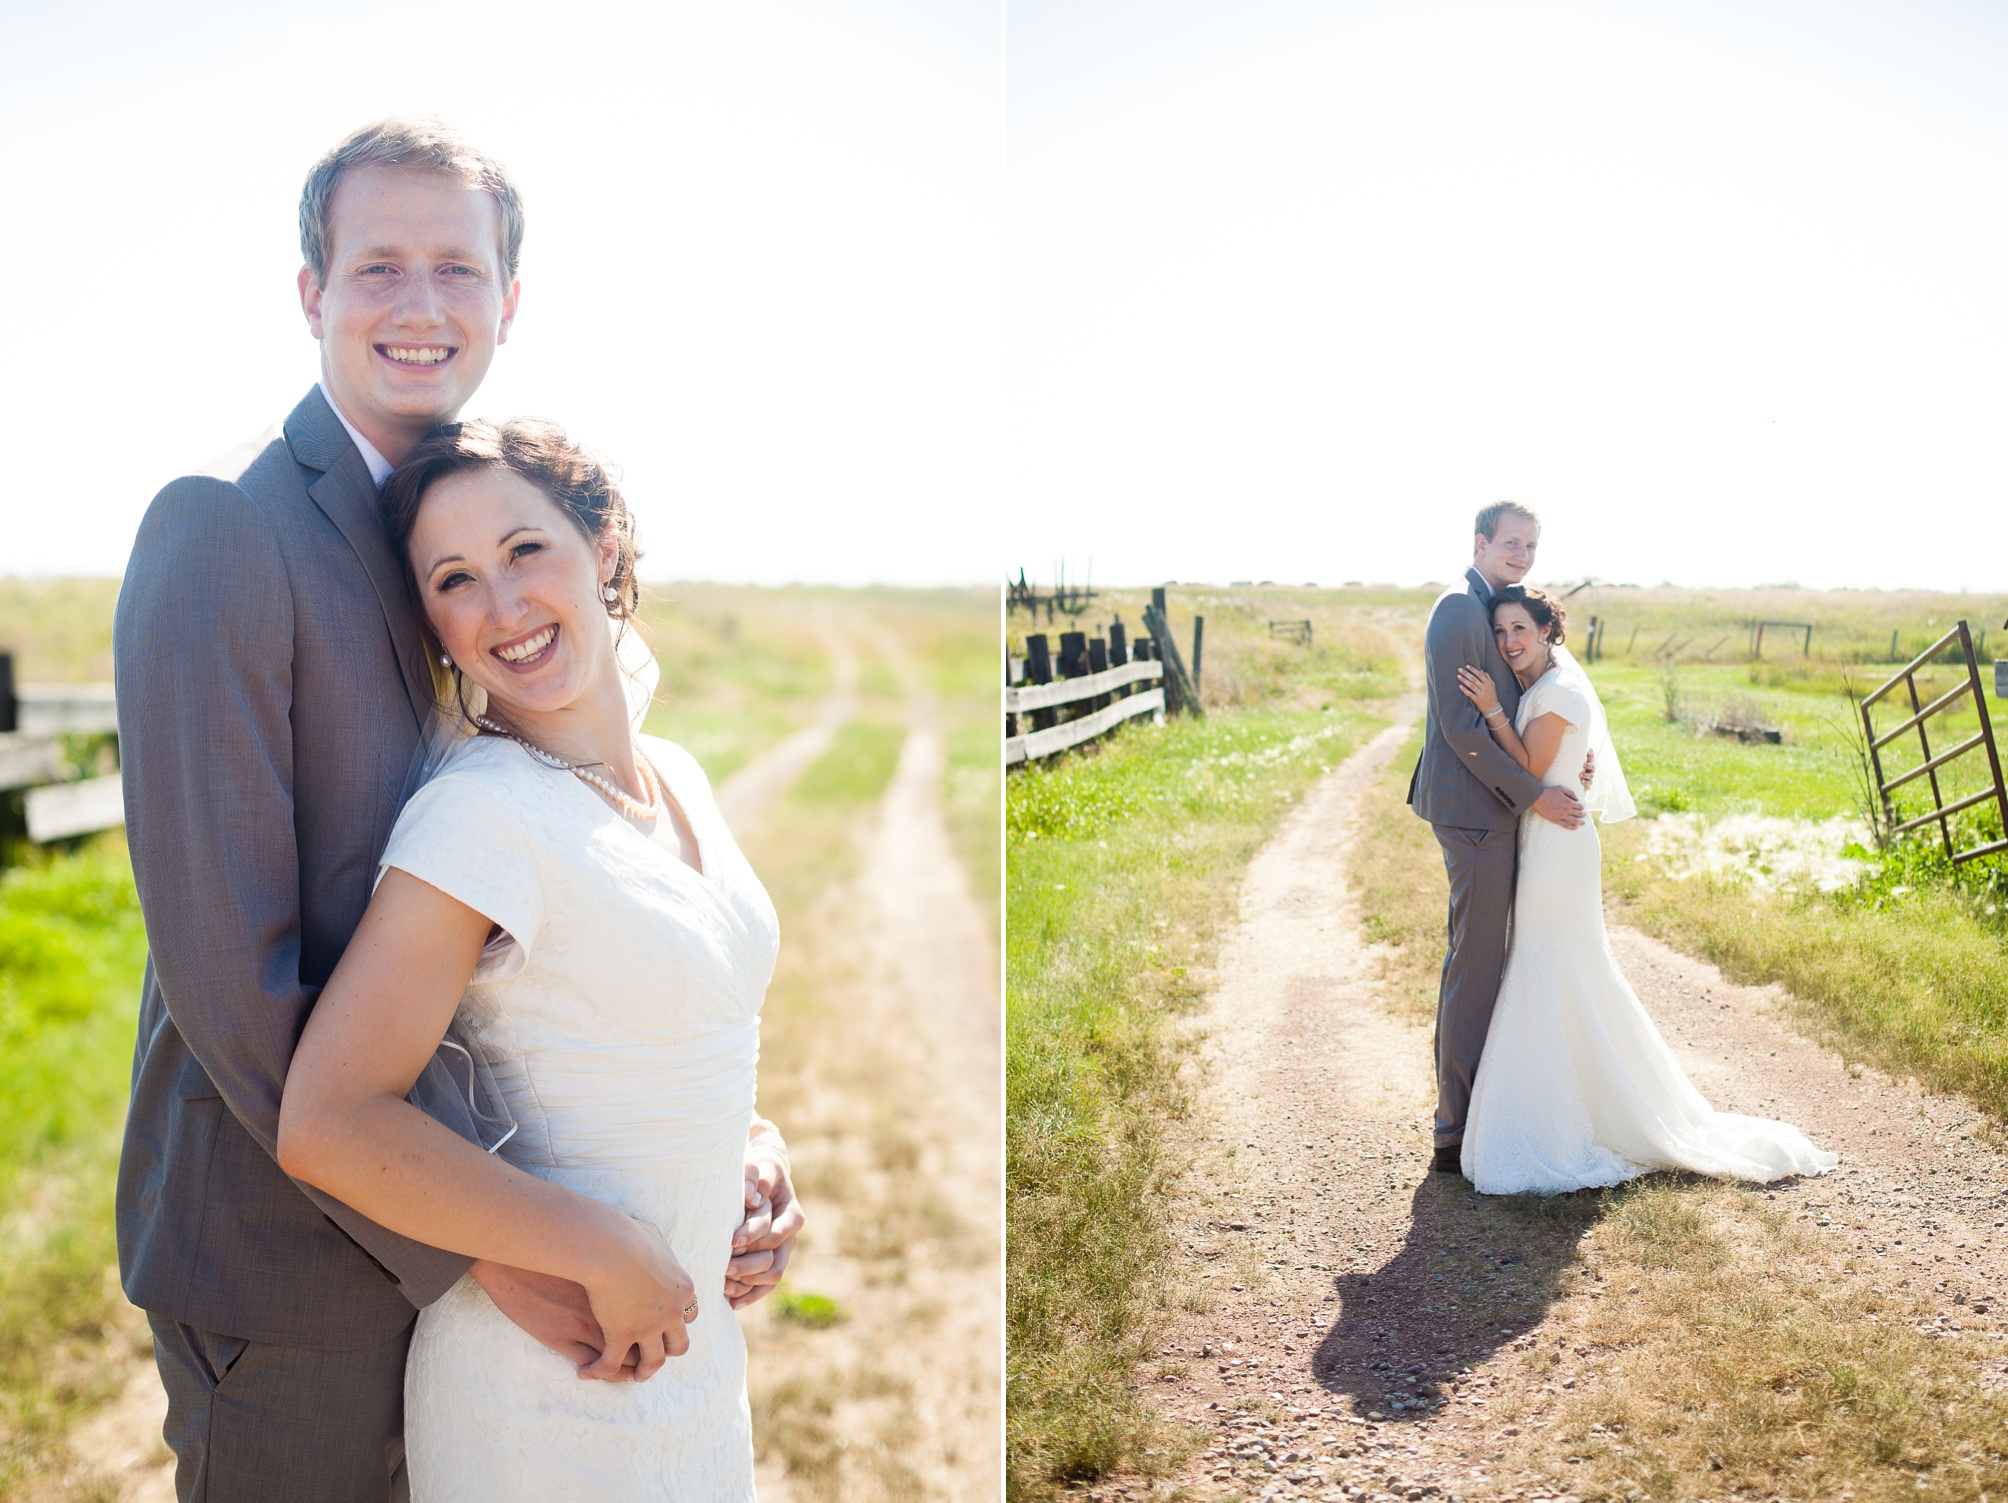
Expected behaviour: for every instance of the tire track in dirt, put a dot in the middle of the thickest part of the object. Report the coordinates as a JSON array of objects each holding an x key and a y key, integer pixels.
[
  {"x": 745, "y": 796},
  {"x": 1312, "y": 1225}
]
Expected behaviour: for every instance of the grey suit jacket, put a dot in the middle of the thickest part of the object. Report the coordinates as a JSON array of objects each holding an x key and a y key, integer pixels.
[
  {"x": 1463, "y": 779},
  {"x": 271, "y": 688}
]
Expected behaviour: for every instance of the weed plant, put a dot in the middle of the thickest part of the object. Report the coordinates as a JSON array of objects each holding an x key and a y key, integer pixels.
[{"x": 1120, "y": 872}]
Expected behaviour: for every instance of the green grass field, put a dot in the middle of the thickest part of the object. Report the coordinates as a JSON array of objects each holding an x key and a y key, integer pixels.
[{"x": 71, "y": 950}]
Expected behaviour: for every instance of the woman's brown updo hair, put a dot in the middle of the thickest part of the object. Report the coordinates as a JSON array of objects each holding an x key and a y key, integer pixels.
[
  {"x": 1544, "y": 608},
  {"x": 573, "y": 480}
]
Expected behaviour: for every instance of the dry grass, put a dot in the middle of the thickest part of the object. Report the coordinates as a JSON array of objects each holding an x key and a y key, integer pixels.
[
  {"x": 1397, "y": 872},
  {"x": 1699, "y": 1343},
  {"x": 59, "y": 630}
]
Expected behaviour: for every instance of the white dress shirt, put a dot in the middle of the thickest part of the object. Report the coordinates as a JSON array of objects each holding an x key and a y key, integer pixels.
[{"x": 380, "y": 467}]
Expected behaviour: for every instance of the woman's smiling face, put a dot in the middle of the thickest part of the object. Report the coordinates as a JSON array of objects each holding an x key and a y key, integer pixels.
[
  {"x": 511, "y": 587},
  {"x": 1520, "y": 641}
]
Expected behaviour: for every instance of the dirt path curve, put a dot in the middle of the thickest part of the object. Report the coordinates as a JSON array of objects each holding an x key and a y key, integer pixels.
[
  {"x": 1313, "y": 1224},
  {"x": 120, "y": 1445},
  {"x": 746, "y": 795}
]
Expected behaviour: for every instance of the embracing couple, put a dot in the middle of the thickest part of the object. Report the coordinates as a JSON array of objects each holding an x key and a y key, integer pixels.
[
  {"x": 1550, "y": 1075},
  {"x": 442, "y": 1171}
]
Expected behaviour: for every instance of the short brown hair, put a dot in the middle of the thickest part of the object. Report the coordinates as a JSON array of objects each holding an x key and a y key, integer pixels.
[
  {"x": 423, "y": 142},
  {"x": 576, "y": 482},
  {"x": 1544, "y": 608},
  {"x": 1490, "y": 517}
]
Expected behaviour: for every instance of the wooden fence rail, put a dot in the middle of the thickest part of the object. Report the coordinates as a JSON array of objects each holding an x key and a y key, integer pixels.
[
  {"x": 34, "y": 719},
  {"x": 1125, "y": 701}
]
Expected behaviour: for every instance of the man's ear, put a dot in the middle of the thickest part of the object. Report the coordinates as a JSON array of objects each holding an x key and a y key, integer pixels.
[
  {"x": 310, "y": 300},
  {"x": 509, "y": 301}
]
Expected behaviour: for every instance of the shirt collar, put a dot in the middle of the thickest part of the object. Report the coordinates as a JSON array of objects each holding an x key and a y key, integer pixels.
[{"x": 380, "y": 467}]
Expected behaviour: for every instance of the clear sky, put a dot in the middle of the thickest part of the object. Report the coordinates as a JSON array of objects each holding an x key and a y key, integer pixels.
[
  {"x": 761, "y": 273},
  {"x": 1720, "y": 287}
]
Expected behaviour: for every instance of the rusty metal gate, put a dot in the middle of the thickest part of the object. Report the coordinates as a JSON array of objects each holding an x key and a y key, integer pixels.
[{"x": 1981, "y": 741}]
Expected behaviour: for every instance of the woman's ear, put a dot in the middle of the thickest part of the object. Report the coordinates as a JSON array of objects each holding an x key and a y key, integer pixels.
[{"x": 610, "y": 556}]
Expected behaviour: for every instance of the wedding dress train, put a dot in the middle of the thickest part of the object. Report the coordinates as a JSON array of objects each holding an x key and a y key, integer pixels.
[{"x": 1576, "y": 1087}]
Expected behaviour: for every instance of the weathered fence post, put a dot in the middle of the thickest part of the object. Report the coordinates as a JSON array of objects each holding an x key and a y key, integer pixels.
[
  {"x": 1198, "y": 638},
  {"x": 10, "y": 717},
  {"x": 1073, "y": 654},
  {"x": 1118, "y": 644},
  {"x": 1039, "y": 670},
  {"x": 1182, "y": 698}
]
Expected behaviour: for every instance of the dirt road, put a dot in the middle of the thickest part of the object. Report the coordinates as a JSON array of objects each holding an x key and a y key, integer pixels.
[
  {"x": 1322, "y": 1346},
  {"x": 902, "y": 1400}
]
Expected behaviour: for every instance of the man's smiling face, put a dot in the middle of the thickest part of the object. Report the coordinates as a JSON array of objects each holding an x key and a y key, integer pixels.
[
  {"x": 1506, "y": 556},
  {"x": 415, "y": 300}
]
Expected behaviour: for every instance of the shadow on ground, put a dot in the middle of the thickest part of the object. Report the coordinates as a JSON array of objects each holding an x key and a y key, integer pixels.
[{"x": 1476, "y": 1273}]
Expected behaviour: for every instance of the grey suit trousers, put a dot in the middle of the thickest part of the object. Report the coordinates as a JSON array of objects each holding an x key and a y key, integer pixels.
[
  {"x": 251, "y": 1422},
  {"x": 1482, "y": 865}
]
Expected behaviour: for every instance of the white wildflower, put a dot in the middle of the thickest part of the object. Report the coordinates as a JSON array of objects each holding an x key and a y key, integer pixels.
[{"x": 1765, "y": 853}]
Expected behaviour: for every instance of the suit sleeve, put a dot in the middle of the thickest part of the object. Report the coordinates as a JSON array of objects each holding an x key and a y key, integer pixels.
[
  {"x": 1459, "y": 636},
  {"x": 202, "y": 655}
]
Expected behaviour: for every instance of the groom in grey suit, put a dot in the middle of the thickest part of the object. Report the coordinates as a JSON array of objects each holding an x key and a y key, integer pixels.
[
  {"x": 272, "y": 686},
  {"x": 1473, "y": 795}
]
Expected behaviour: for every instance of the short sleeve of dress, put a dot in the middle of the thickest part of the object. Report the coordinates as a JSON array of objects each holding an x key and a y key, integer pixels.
[
  {"x": 454, "y": 835},
  {"x": 1553, "y": 695}
]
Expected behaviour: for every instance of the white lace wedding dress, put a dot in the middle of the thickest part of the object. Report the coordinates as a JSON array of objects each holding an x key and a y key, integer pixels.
[
  {"x": 1576, "y": 1087},
  {"x": 620, "y": 1015}
]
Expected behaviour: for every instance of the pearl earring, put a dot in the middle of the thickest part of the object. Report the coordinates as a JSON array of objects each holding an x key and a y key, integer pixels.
[{"x": 446, "y": 660}]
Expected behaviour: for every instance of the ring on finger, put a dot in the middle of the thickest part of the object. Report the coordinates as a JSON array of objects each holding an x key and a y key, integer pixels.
[{"x": 690, "y": 1311}]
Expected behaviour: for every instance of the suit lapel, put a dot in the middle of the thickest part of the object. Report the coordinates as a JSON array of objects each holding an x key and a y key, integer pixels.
[{"x": 344, "y": 492}]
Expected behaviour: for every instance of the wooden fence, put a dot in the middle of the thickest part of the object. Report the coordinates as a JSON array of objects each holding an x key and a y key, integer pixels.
[
  {"x": 34, "y": 720},
  {"x": 1053, "y": 702}
]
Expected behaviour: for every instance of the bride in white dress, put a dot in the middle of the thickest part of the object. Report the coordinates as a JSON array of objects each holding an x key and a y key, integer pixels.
[
  {"x": 1576, "y": 1088},
  {"x": 569, "y": 889}
]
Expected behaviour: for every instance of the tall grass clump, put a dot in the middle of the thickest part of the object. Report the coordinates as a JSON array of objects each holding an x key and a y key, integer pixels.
[
  {"x": 1120, "y": 869},
  {"x": 71, "y": 951}
]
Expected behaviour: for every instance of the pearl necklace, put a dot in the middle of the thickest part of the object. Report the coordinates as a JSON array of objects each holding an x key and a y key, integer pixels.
[{"x": 632, "y": 807}]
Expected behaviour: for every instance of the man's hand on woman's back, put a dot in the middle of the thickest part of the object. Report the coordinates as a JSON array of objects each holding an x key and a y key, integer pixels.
[{"x": 1559, "y": 807}]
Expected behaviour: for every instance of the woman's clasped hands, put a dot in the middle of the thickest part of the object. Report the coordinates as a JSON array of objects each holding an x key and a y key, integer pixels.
[{"x": 640, "y": 1295}]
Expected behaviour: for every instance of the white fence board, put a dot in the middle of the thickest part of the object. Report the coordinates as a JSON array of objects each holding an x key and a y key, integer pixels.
[
  {"x": 58, "y": 709},
  {"x": 1074, "y": 732},
  {"x": 1066, "y": 691},
  {"x": 28, "y": 760},
  {"x": 63, "y": 809}
]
